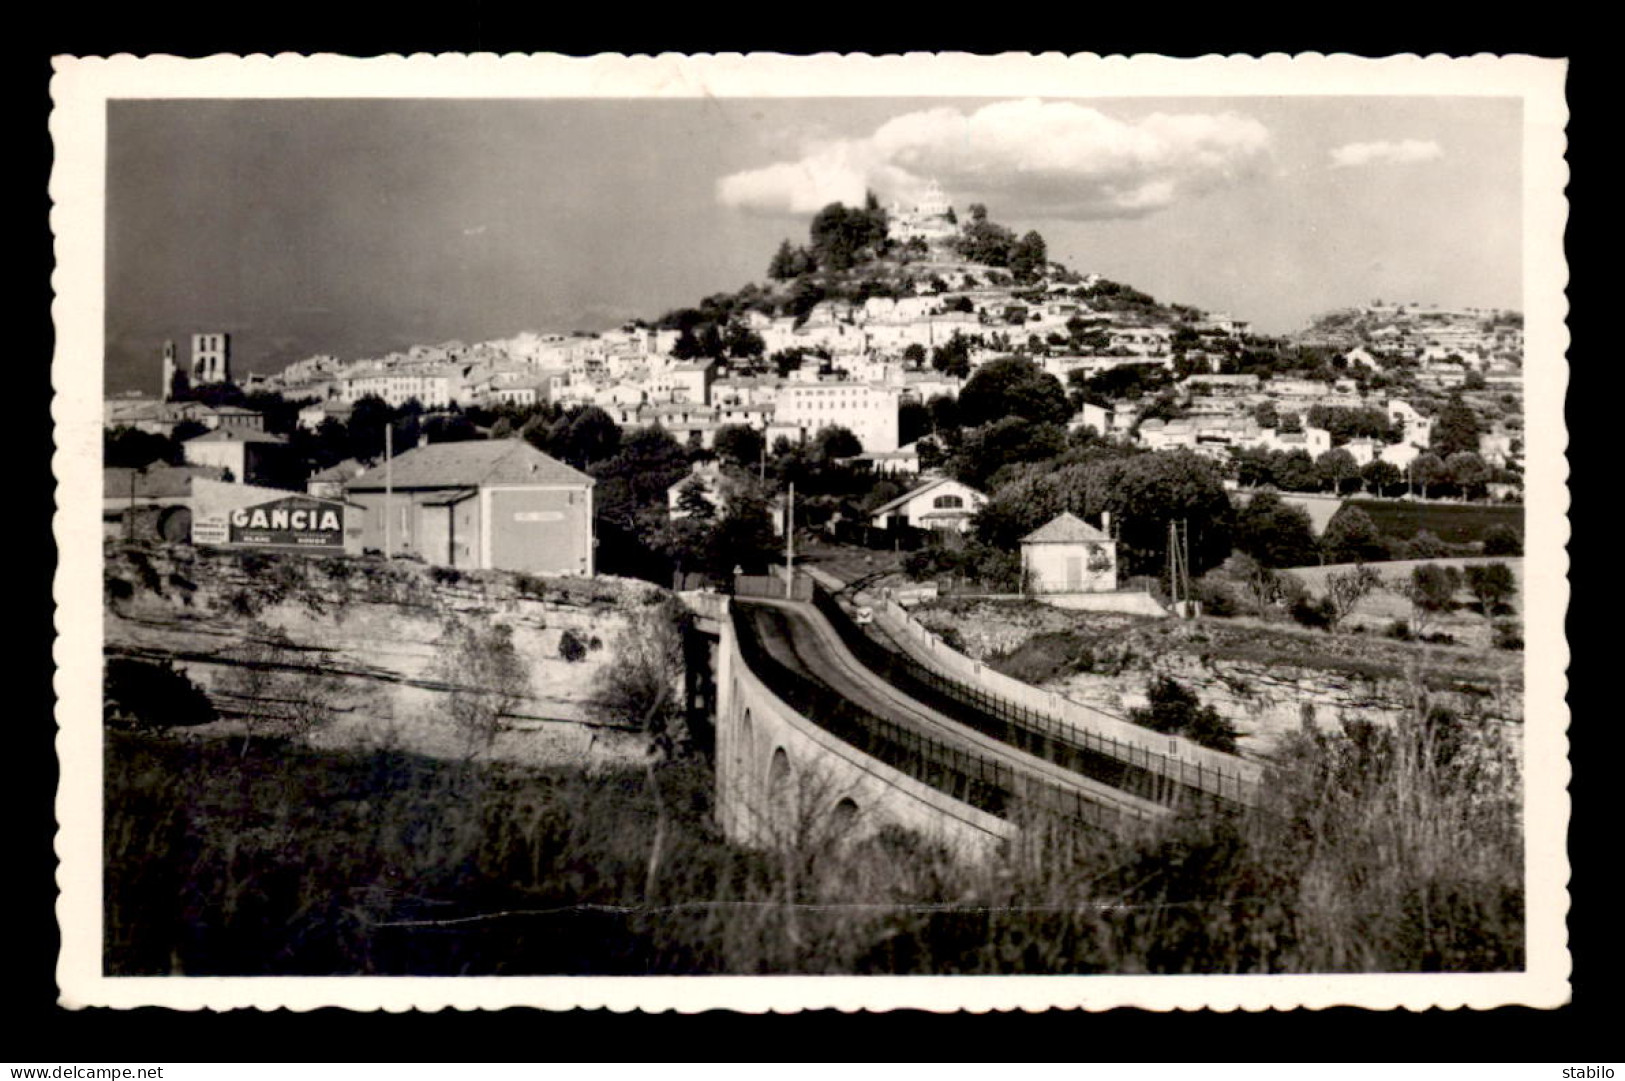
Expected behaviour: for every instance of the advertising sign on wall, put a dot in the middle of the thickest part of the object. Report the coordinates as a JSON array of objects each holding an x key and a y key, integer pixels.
[{"x": 294, "y": 522}]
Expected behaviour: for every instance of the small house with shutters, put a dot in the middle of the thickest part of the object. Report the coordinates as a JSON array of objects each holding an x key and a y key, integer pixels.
[
  {"x": 1068, "y": 555},
  {"x": 942, "y": 503}
]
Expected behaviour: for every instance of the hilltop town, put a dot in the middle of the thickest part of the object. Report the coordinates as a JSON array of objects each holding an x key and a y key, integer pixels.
[{"x": 874, "y": 328}]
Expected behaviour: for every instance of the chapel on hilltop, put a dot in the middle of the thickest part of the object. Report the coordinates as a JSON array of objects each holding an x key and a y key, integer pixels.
[{"x": 928, "y": 220}]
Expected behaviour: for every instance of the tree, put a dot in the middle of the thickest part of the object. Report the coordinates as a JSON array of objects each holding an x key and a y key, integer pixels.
[
  {"x": 1336, "y": 467},
  {"x": 1011, "y": 440},
  {"x": 694, "y": 502},
  {"x": 1379, "y": 476},
  {"x": 743, "y": 536},
  {"x": 1346, "y": 589},
  {"x": 455, "y": 428},
  {"x": 590, "y": 436},
  {"x": 369, "y": 416},
  {"x": 834, "y": 442},
  {"x": 131, "y": 448},
  {"x": 740, "y": 444},
  {"x": 952, "y": 357},
  {"x": 743, "y": 343},
  {"x": 1502, "y": 540},
  {"x": 789, "y": 262},
  {"x": 1352, "y": 537},
  {"x": 1294, "y": 471},
  {"x": 1432, "y": 592},
  {"x": 278, "y": 697},
  {"x": 1028, "y": 257},
  {"x": 914, "y": 354},
  {"x": 1467, "y": 472},
  {"x": 1455, "y": 429},
  {"x": 913, "y": 421},
  {"x": 1274, "y": 532},
  {"x": 1013, "y": 387},
  {"x": 1427, "y": 470},
  {"x": 944, "y": 413},
  {"x": 1492, "y": 585},
  {"x": 1176, "y": 710},
  {"x": 485, "y": 680},
  {"x": 1263, "y": 585}
]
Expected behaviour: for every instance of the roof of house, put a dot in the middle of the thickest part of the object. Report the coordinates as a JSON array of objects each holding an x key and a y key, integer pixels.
[
  {"x": 157, "y": 481},
  {"x": 1064, "y": 528},
  {"x": 236, "y": 435},
  {"x": 472, "y": 463},
  {"x": 915, "y": 493}
]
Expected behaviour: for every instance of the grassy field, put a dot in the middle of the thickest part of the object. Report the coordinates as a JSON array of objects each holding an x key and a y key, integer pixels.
[
  {"x": 1383, "y": 607},
  {"x": 1381, "y": 851},
  {"x": 1453, "y": 523}
]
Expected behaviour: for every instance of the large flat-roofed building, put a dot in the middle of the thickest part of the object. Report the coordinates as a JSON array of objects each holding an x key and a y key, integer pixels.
[{"x": 482, "y": 504}]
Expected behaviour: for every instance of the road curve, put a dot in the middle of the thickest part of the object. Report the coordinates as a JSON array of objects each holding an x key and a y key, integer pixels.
[{"x": 812, "y": 648}]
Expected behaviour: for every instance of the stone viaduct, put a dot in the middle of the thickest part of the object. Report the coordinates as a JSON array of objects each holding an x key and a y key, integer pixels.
[{"x": 961, "y": 765}]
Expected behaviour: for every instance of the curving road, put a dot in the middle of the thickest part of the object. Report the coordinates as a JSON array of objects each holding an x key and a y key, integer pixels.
[{"x": 798, "y": 636}]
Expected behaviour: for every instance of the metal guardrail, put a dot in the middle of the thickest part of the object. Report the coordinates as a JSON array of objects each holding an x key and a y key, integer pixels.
[
  {"x": 1134, "y": 769},
  {"x": 981, "y": 782}
]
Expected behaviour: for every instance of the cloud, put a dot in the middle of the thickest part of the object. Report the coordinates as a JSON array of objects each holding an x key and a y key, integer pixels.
[
  {"x": 1043, "y": 159},
  {"x": 1386, "y": 153}
]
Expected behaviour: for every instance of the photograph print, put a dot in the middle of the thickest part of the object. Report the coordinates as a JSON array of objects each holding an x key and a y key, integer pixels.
[{"x": 960, "y": 518}]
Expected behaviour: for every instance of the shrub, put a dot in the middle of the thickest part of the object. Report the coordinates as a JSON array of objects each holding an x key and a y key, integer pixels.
[
  {"x": 486, "y": 680},
  {"x": 571, "y": 647},
  {"x": 1215, "y": 596},
  {"x": 1176, "y": 710},
  {"x": 1399, "y": 629},
  {"x": 1508, "y": 636},
  {"x": 1425, "y": 546},
  {"x": 152, "y": 694},
  {"x": 445, "y": 576},
  {"x": 1502, "y": 540},
  {"x": 1320, "y": 614}
]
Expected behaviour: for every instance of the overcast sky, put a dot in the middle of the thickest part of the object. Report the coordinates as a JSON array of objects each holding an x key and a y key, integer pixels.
[{"x": 358, "y": 227}]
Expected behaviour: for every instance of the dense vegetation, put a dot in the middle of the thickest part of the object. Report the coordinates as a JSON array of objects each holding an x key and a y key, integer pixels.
[{"x": 1377, "y": 851}]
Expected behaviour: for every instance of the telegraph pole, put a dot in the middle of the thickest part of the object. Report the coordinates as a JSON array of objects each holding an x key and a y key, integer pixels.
[
  {"x": 389, "y": 490},
  {"x": 790, "y": 544}
]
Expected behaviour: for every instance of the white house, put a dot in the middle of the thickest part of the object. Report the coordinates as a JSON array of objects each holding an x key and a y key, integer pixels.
[
  {"x": 1068, "y": 555},
  {"x": 942, "y": 503}
]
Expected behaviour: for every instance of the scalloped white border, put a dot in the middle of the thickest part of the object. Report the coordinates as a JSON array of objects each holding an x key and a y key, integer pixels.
[{"x": 80, "y": 89}]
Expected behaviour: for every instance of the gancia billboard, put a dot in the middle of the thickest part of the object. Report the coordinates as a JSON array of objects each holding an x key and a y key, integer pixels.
[{"x": 245, "y": 517}]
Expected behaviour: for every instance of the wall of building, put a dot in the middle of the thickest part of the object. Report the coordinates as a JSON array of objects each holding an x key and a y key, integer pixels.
[
  {"x": 1064, "y": 568},
  {"x": 539, "y": 530}
]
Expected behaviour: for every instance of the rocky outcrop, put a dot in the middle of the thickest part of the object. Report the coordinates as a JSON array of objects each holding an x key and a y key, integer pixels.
[
  {"x": 1267, "y": 680},
  {"x": 378, "y": 635}
]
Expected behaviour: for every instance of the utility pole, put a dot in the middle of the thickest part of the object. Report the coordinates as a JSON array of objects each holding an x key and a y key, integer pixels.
[
  {"x": 790, "y": 544},
  {"x": 389, "y": 490}
]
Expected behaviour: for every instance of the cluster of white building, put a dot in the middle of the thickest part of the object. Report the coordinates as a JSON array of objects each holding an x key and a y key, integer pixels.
[
  {"x": 1216, "y": 434},
  {"x": 1487, "y": 340}
]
